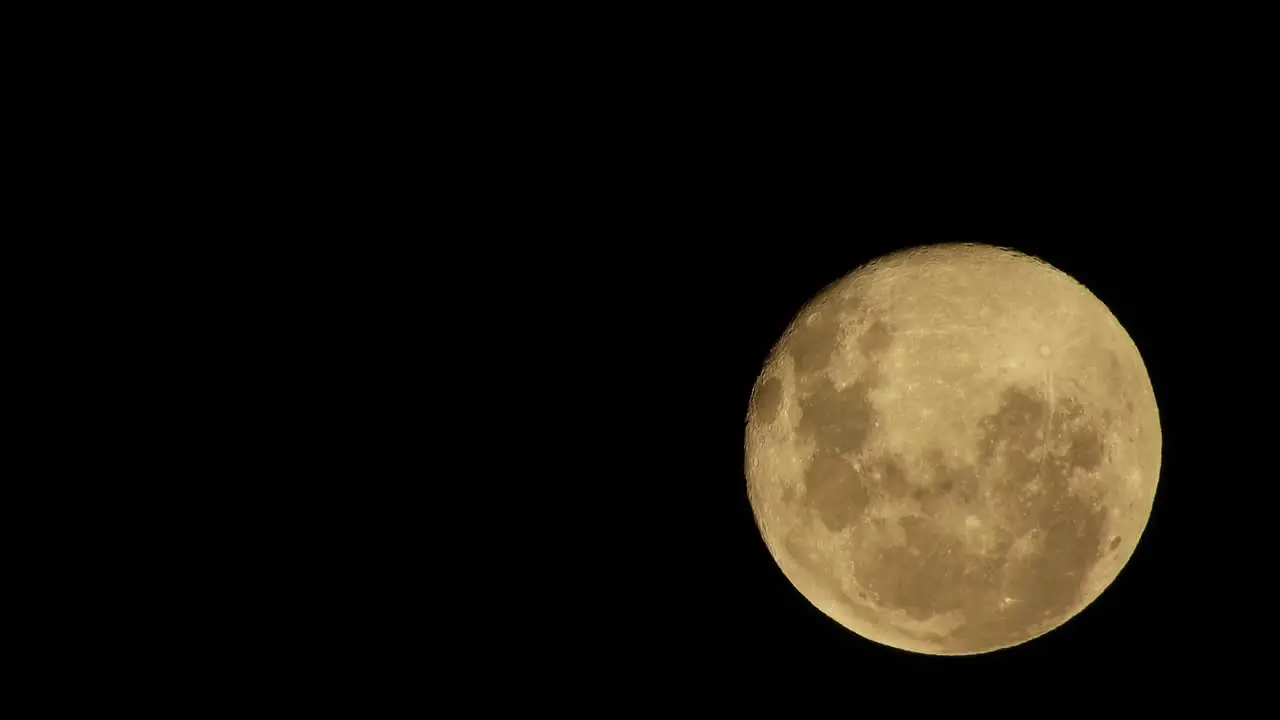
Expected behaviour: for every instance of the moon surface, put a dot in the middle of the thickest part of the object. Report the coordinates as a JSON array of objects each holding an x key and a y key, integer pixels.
[{"x": 953, "y": 450}]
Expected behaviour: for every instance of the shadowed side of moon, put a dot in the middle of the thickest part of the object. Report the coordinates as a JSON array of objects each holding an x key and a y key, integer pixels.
[{"x": 1044, "y": 531}]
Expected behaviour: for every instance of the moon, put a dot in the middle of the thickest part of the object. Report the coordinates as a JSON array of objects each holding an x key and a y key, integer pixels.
[{"x": 953, "y": 450}]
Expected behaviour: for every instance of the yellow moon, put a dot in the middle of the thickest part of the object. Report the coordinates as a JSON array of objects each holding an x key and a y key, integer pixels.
[{"x": 953, "y": 450}]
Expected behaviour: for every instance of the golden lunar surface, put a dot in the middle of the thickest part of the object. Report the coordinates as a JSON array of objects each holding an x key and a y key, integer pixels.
[{"x": 953, "y": 450}]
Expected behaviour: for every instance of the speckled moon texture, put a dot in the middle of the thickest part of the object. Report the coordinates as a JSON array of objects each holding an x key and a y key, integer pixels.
[{"x": 953, "y": 450}]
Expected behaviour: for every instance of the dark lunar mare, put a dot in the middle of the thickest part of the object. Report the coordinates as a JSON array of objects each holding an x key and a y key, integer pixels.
[{"x": 933, "y": 573}]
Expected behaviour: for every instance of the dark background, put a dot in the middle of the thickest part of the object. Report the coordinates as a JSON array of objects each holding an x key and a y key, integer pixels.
[{"x": 275, "y": 279}]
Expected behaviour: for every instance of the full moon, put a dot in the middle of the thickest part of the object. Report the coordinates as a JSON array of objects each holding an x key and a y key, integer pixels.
[{"x": 952, "y": 450}]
